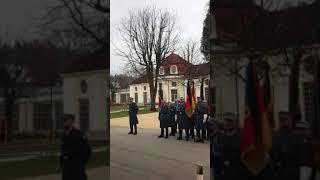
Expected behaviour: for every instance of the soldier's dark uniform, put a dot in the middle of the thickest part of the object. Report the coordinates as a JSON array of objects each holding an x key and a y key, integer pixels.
[
  {"x": 180, "y": 116},
  {"x": 172, "y": 119},
  {"x": 199, "y": 116},
  {"x": 287, "y": 154},
  {"x": 75, "y": 153},
  {"x": 232, "y": 165},
  {"x": 163, "y": 118},
  {"x": 216, "y": 155},
  {"x": 133, "y": 119},
  {"x": 188, "y": 123}
]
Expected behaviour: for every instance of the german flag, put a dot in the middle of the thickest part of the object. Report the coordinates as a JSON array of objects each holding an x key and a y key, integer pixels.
[
  {"x": 190, "y": 102},
  {"x": 256, "y": 134}
]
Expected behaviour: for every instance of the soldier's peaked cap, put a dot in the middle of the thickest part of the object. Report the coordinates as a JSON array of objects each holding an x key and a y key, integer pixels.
[{"x": 229, "y": 116}]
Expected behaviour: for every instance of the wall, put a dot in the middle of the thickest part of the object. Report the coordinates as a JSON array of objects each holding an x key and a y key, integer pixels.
[{"x": 96, "y": 94}]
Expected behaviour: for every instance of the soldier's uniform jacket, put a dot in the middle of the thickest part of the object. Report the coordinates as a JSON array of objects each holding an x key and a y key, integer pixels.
[
  {"x": 216, "y": 155},
  {"x": 75, "y": 153},
  {"x": 199, "y": 115},
  {"x": 171, "y": 116},
  {"x": 180, "y": 114},
  {"x": 232, "y": 165},
  {"x": 163, "y": 116},
  {"x": 288, "y": 154},
  {"x": 133, "y": 111}
]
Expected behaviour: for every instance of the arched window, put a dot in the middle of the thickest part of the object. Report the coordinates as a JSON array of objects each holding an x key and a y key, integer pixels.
[
  {"x": 173, "y": 69},
  {"x": 161, "y": 71}
]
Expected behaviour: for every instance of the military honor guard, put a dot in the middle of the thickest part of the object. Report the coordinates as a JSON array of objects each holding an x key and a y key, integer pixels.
[
  {"x": 180, "y": 115},
  {"x": 199, "y": 117},
  {"x": 163, "y": 118},
  {"x": 172, "y": 111},
  {"x": 133, "y": 119},
  {"x": 75, "y": 151}
]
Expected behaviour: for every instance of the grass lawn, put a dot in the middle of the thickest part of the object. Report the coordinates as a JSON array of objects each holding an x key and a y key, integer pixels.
[
  {"x": 43, "y": 166},
  {"x": 118, "y": 107},
  {"x": 126, "y": 114}
]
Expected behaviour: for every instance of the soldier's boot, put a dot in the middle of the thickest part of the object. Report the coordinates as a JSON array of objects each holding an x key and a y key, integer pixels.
[
  {"x": 187, "y": 136},
  {"x": 180, "y": 135},
  {"x": 198, "y": 136},
  {"x": 204, "y": 134},
  {"x": 131, "y": 130},
  {"x": 192, "y": 133},
  {"x": 135, "y": 130},
  {"x": 167, "y": 129},
  {"x": 161, "y": 135}
]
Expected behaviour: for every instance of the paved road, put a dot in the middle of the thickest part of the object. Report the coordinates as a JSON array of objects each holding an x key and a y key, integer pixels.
[
  {"x": 146, "y": 157},
  {"x": 101, "y": 173}
]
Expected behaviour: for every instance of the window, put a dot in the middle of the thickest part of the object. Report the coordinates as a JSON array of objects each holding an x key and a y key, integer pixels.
[
  {"x": 173, "y": 69},
  {"x": 42, "y": 118},
  {"x": 59, "y": 115},
  {"x": 15, "y": 116},
  {"x": 84, "y": 114},
  {"x": 174, "y": 84},
  {"x": 145, "y": 87},
  {"x": 174, "y": 94},
  {"x": 136, "y": 97},
  {"x": 123, "y": 98},
  {"x": 161, "y": 71},
  {"x": 308, "y": 100},
  {"x": 206, "y": 94},
  {"x": 135, "y": 88},
  {"x": 145, "y": 97}
]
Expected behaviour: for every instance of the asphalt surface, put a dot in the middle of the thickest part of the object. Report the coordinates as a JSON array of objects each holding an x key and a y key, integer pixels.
[{"x": 146, "y": 157}]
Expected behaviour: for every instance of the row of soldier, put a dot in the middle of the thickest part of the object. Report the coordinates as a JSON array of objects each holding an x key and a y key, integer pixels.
[
  {"x": 174, "y": 116},
  {"x": 289, "y": 158}
]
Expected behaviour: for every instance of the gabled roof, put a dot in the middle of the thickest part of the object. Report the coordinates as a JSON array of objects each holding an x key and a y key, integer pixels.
[
  {"x": 140, "y": 80},
  {"x": 174, "y": 59},
  {"x": 89, "y": 62}
]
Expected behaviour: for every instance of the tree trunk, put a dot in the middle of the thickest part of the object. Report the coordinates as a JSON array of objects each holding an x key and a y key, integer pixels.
[
  {"x": 201, "y": 88},
  {"x": 294, "y": 108},
  {"x": 153, "y": 92}
]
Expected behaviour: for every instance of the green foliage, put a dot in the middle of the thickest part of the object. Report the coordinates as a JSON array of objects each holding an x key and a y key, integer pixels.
[{"x": 205, "y": 41}]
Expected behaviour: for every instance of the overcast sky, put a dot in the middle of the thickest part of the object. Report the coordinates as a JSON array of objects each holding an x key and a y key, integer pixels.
[
  {"x": 17, "y": 18},
  {"x": 190, "y": 16}
]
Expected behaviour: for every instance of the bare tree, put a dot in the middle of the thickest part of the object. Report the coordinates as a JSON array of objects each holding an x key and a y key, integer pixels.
[
  {"x": 190, "y": 51},
  {"x": 82, "y": 23},
  {"x": 148, "y": 36}
]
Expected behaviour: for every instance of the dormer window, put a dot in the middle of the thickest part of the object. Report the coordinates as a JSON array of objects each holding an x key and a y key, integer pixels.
[
  {"x": 173, "y": 69},
  {"x": 161, "y": 71}
]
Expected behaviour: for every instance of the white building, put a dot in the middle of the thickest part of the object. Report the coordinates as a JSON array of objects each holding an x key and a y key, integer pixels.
[
  {"x": 83, "y": 92},
  {"x": 173, "y": 75},
  {"x": 174, "y": 72}
]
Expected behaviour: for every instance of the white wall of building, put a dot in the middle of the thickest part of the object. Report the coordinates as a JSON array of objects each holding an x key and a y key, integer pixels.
[{"x": 96, "y": 94}]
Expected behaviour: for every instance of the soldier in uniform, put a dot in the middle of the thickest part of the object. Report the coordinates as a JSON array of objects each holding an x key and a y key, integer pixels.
[
  {"x": 180, "y": 116},
  {"x": 163, "y": 118},
  {"x": 187, "y": 124},
  {"x": 172, "y": 119},
  {"x": 75, "y": 151},
  {"x": 232, "y": 165},
  {"x": 303, "y": 130},
  {"x": 133, "y": 119},
  {"x": 199, "y": 116},
  {"x": 288, "y": 151},
  {"x": 216, "y": 154}
]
